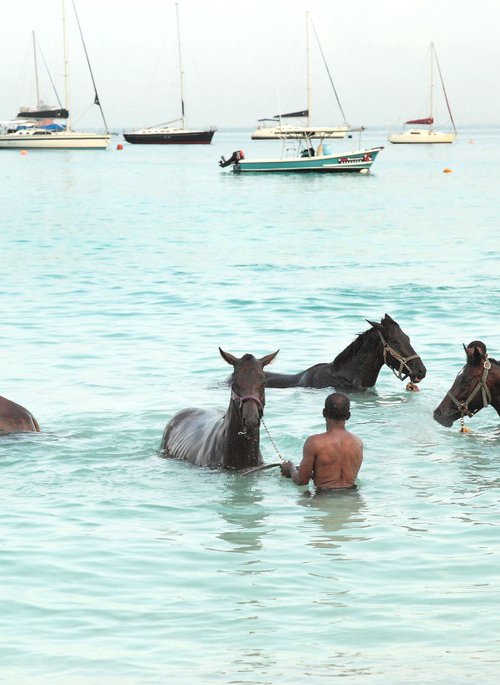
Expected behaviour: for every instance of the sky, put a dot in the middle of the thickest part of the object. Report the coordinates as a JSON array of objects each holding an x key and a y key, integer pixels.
[{"x": 246, "y": 59}]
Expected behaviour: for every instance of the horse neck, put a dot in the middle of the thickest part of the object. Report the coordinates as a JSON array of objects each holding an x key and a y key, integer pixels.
[
  {"x": 495, "y": 388},
  {"x": 239, "y": 452},
  {"x": 363, "y": 367}
]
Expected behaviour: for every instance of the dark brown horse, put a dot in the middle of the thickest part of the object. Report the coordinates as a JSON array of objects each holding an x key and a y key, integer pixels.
[
  {"x": 358, "y": 366},
  {"x": 14, "y": 418},
  {"x": 476, "y": 386},
  {"x": 231, "y": 440}
]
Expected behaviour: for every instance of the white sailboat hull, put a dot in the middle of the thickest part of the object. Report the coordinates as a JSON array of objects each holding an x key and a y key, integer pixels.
[
  {"x": 59, "y": 140},
  {"x": 417, "y": 136},
  {"x": 298, "y": 132}
]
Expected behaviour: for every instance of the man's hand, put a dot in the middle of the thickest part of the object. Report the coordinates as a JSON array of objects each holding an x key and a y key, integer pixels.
[{"x": 286, "y": 468}]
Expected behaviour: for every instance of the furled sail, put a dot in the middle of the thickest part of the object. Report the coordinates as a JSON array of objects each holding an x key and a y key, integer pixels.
[
  {"x": 302, "y": 113},
  {"x": 53, "y": 113},
  {"x": 427, "y": 120}
]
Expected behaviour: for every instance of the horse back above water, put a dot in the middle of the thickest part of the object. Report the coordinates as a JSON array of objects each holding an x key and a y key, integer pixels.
[
  {"x": 357, "y": 367},
  {"x": 229, "y": 440},
  {"x": 15, "y": 418}
]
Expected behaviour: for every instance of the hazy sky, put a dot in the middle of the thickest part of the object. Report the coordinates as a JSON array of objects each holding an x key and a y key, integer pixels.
[{"x": 247, "y": 59}]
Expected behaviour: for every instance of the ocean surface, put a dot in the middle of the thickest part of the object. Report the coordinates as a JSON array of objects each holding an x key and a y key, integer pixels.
[{"x": 122, "y": 273}]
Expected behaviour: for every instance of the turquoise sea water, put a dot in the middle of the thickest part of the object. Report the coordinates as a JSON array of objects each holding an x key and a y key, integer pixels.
[{"x": 123, "y": 271}]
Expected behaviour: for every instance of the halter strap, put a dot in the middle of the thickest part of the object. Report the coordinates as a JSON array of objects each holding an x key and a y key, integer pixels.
[
  {"x": 403, "y": 361},
  {"x": 245, "y": 398},
  {"x": 463, "y": 407}
]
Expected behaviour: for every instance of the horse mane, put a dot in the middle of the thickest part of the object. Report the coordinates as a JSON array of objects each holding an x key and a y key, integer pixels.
[{"x": 350, "y": 350}]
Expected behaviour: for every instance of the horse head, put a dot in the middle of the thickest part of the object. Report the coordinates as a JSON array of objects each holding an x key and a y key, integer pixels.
[
  {"x": 248, "y": 383},
  {"x": 472, "y": 389},
  {"x": 399, "y": 355}
]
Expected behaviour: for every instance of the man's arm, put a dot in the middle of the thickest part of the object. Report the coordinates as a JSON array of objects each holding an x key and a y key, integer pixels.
[{"x": 303, "y": 474}]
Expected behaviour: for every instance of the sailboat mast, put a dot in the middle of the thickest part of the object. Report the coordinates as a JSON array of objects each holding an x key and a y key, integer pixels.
[
  {"x": 66, "y": 66},
  {"x": 36, "y": 73},
  {"x": 181, "y": 72},
  {"x": 431, "y": 101},
  {"x": 308, "y": 71}
]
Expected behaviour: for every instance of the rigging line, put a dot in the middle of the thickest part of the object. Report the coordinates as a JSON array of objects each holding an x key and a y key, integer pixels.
[
  {"x": 48, "y": 73},
  {"x": 444, "y": 91},
  {"x": 328, "y": 71},
  {"x": 96, "y": 98}
]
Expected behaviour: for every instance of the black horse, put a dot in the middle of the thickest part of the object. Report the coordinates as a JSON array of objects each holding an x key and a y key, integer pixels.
[
  {"x": 358, "y": 366},
  {"x": 14, "y": 418},
  {"x": 230, "y": 441},
  {"x": 476, "y": 386}
]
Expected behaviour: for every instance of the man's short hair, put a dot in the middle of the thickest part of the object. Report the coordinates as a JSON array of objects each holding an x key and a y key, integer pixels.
[{"x": 337, "y": 406}]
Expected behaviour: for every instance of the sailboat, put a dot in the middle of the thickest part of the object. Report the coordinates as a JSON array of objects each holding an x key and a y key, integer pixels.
[
  {"x": 427, "y": 134},
  {"x": 166, "y": 134},
  {"x": 35, "y": 128},
  {"x": 41, "y": 110},
  {"x": 272, "y": 128}
]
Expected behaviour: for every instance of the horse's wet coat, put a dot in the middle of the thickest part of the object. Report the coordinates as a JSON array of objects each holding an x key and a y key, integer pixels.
[
  {"x": 357, "y": 367},
  {"x": 14, "y": 418},
  {"x": 230, "y": 440}
]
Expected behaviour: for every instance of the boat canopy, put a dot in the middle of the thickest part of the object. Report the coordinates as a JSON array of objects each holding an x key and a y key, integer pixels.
[{"x": 427, "y": 120}]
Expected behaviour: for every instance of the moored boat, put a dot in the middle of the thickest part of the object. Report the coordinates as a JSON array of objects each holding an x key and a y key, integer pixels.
[
  {"x": 35, "y": 127},
  {"x": 165, "y": 134},
  {"x": 273, "y": 128},
  {"x": 307, "y": 160},
  {"x": 426, "y": 133},
  {"x": 170, "y": 136}
]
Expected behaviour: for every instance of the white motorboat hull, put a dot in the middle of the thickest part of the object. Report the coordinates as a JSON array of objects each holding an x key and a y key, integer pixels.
[{"x": 64, "y": 140}]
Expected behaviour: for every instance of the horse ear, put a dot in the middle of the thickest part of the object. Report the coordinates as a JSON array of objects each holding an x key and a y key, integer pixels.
[
  {"x": 268, "y": 358},
  {"x": 388, "y": 319},
  {"x": 375, "y": 324},
  {"x": 475, "y": 355},
  {"x": 229, "y": 358}
]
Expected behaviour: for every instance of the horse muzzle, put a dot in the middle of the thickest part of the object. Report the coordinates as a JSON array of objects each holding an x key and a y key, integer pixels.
[{"x": 445, "y": 420}]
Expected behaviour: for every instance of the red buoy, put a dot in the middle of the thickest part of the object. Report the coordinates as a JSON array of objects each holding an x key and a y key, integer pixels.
[{"x": 119, "y": 146}]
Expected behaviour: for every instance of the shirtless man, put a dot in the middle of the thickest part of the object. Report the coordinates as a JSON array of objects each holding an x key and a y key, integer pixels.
[{"x": 332, "y": 459}]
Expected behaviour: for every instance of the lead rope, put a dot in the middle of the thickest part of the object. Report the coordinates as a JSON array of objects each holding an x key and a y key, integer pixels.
[
  {"x": 262, "y": 467},
  {"x": 272, "y": 441}
]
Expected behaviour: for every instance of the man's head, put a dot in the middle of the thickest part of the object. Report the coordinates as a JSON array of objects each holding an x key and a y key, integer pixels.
[{"x": 337, "y": 407}]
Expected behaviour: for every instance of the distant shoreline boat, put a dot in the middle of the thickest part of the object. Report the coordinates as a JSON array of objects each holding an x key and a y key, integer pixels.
[
  {"x": 273, "y": 128},
  {"x": 164, "y": 134},
  {"x": 35, "y": 128},
  {"x": 427, "y": 135}
]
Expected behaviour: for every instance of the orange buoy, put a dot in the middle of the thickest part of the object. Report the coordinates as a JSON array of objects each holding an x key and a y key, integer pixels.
[
  {"x": 447, "y": 171},
  {"x": 119, "y": 146},
  {"x": 23, "y": 152}
]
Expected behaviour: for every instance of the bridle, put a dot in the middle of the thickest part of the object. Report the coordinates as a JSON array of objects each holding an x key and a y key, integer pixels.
[
  {"x": 403, "y": 361},
  {"x": 241, "y": 399},
  {"x": 463, "y": 407}
]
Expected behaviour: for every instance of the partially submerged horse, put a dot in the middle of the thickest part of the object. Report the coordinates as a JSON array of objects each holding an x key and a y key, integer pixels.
[
  {"x": 476, "y": 386},
  {"x": 230, "y": 441},
  {"x": 358, "y": 366},
  {"x": 14, "y": 418}
]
